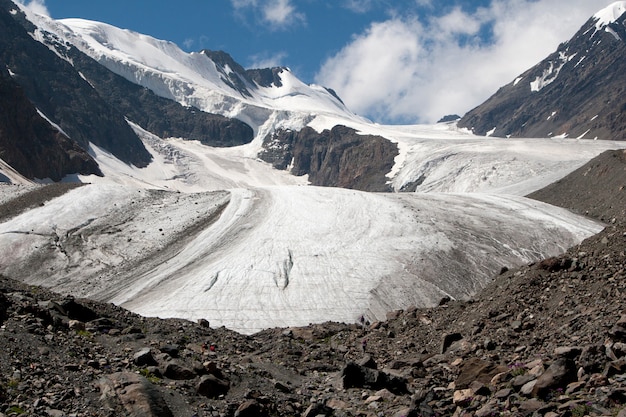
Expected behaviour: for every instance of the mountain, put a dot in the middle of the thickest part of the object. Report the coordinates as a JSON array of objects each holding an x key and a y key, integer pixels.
[
  {"x": 203, "y": 96},
  {"x": 232, "y": 226},
  {"x": 58, "y": 91},
  {"x": 576, "y": 92}
]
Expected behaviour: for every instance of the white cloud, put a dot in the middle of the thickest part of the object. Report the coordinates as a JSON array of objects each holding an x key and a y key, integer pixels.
[
  {"x": 281, "y": 13},
  {"x": 36, "y": 6},
  {"x": 188, "y": 43},
  {"x": 274, "y": 14},
  {"x": 359, "y": 6},
  {"x": 410, "y": 70},
  {"x": 265, "y": 60}
]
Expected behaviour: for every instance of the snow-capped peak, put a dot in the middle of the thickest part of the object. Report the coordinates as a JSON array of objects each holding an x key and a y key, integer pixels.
[
  {"x": 610, "y": 14},
  {"x": 212, "y": 82}
]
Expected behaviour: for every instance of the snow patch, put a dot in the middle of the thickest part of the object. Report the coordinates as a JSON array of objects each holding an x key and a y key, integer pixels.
[
  {"x": 551, "y": 73},
  {"x": 56, "y": 126}
]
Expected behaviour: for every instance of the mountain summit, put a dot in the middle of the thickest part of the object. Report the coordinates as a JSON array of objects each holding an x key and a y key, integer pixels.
[{"x": 575, "y": 92}]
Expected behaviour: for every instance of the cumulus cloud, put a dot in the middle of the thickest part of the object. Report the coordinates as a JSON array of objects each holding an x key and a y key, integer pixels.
[
  {"x": 36, "y": 6},
  {"x": 407, "y": 69},
  {"x": 281, "y": 12},
  {"x": 274, "y": 14}
]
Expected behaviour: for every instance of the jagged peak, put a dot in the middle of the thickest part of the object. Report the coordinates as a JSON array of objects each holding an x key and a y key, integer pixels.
[
  {"x": 224, "y": 59},
  {"x": 264, "y": 77}
]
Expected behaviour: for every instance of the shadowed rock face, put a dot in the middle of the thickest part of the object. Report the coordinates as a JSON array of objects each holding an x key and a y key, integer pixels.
[
  {"x": 163, "y": 117},
  {"x": 336, "y": 158},
  {"x": 578, "y": 91},
  {"x": 31, "y": 145},
  {"x": 58, "y": 90}
]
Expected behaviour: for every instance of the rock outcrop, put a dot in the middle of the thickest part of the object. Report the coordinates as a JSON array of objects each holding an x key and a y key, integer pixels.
[
  {"x": 31, "y": 145},
  {"x": 339, "y": 157}
]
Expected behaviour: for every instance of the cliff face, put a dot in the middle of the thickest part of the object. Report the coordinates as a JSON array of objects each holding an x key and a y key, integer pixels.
[
  {"x": 336, "y": 158},
  {"x": 577, "y": 91},
  {"x": 58, "y": 90},
  {"x": 31, "y": 145}
]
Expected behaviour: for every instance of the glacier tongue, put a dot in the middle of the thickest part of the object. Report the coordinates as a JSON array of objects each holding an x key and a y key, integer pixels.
[{"x": 278, "y": 256}]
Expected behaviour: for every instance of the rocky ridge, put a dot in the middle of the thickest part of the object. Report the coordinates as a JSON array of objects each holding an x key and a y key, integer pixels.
[
  {"x": 548, "y": 339},
  {"x": 576, "y": 91},
  {"x": 57, "y": 90}
]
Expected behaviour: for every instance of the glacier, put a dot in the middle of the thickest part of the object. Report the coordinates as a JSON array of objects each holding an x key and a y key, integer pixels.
[
  {"x": 217, "y": 234},
  {"x": 212, "y": 233}
]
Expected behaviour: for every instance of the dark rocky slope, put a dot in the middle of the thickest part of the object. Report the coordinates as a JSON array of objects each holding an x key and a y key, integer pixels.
[
  {"x": 339, "y": 157},
  {"x": 160, "y": 116},
  {"x": 548, "y": 339},
  {"x": 582, "y": 93},
  {"x": 30, "y": 144},
  {"x": 56, "y": 88},
  {"x": 598, "y": 189}
]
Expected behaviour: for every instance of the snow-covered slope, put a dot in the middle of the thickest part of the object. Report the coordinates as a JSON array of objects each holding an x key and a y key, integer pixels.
[{"x": 193, "y": 79}]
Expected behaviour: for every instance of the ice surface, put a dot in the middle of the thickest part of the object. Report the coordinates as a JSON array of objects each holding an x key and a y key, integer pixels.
[
  {"x": 277, "y": 256},
  {"x": 212, "y": 233}
]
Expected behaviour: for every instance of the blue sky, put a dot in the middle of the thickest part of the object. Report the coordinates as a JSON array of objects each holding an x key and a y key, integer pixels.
[{"x": 402, "y": 61}]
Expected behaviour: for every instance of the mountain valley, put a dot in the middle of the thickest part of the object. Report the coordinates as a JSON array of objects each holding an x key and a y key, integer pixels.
[{"x": 183, "y": 236}]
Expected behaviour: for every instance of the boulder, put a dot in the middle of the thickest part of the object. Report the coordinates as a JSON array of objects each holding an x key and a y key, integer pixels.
[
  {"x": 558, "y": 375},
  {"x": 144, "y": 358},
  {"x": 477, "y": 370},
  {"x": 250, "y": 408},
  {"x": 356, "y": 376},
  {"x": 212, "y": 387},
  {"x": 139, "y": 397},
  {"x": 175, "y": 370}
]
